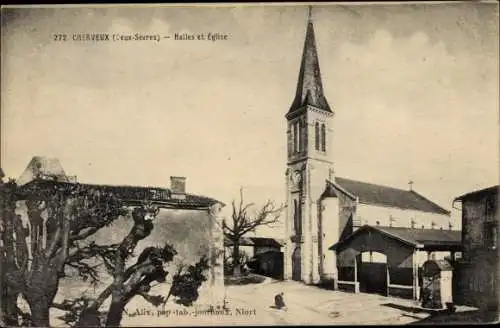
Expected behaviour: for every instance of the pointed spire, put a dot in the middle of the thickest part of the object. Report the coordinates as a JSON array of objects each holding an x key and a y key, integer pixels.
[{"x": 309, "y": 85}]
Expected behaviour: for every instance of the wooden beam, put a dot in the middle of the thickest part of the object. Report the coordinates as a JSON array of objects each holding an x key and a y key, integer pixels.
[
  {"x": 356, "y": 274},
  {"x": 415, "y": 284},
  {"x": 388, "y": 278}
]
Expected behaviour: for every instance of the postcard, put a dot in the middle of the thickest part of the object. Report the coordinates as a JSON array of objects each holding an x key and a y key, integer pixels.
[{"x": 246, "y": 164}]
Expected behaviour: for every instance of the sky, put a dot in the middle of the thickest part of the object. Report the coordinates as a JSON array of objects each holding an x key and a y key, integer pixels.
[{"x": 414, "y": 88}]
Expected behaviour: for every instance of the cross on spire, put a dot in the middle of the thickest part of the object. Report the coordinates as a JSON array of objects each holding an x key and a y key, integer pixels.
[{"x": 309, "y": 16}]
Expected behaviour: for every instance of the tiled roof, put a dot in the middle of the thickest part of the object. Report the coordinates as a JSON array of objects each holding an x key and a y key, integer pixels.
[
  {"x": 161, "y": 197},
  {"x": 420, "y": 238},
  {"x": 369, "y": 193},
  {"x": 426, "y": 237},
  {"x": 243, "y": 242},
  {"x": 271, "y": 242},
  {"x": 490, "y": 190}
]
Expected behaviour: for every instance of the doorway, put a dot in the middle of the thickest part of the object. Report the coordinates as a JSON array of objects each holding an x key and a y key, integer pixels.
[
  {"x": 296, "y": 265},
  {"x": 372, "y": 273}
]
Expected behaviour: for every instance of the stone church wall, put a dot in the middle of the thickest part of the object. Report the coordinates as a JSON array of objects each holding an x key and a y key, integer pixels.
[{"x": 370, "y": 214}]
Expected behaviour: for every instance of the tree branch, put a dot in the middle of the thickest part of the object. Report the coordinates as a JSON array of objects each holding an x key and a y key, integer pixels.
[
  {"x": 155, "y": 300},
  {"x": 85, "y": 234}
]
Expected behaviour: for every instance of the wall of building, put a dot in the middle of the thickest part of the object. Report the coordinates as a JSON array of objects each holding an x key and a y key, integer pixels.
[
  {"x": 329, "y": 234},
  {"x": 347, "y": 215},
  {"x": 370, "y": 214},
  {"x": 476, "y": 274},
  {"x": 313, "y": 116}
]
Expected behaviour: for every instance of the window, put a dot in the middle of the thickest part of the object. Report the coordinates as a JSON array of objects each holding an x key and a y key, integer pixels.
[
  {"x": 295, "y": 137},
  {"x": 490, "y": 235},
  {"x": 490, "y": 208},
  {"x": 299, "y": 135},
  {"x": 317, "y": 135},
  {"x": 297, "y": 224},
  {"x": 323, "y": 138}
]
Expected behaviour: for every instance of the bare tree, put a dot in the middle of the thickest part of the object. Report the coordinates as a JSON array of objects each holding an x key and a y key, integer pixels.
[
  {"x": 137, "y": 279},
  {"x": 242, "y": 222},
  {"x": 34, "y": 256}
]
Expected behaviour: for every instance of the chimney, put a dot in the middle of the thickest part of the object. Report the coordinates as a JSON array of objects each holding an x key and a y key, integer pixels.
[
  {"x": 178, "y": 185},
  {"x": 410, "y": 183}
]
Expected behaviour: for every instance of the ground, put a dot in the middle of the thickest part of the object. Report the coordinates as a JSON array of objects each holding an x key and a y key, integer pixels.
[{"x": 251, "y": 304}]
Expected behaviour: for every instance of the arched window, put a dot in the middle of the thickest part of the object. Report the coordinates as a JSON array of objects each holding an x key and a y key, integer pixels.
[
  {"x": 323, "y": 138},
  {"x": 299, "y": 135},
  {"x": 304, "y": 135},
  {"x": 316, "y": 136},
  {"x": 296, "y": 217}
]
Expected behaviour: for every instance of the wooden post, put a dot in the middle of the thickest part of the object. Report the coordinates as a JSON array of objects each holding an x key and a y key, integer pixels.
[
  {"x": 417, "y": 286},
  {"x": 413, "y": 272},
  {"x": 356, "y": 289},
  {"x": 416, "y": 290}
]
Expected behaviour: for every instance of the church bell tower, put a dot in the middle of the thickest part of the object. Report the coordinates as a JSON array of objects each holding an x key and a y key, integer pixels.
[{"x": 309, "y": 165}]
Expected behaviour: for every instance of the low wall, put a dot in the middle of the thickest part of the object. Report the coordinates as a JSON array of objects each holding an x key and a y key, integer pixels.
[
  {"x": 348, "y": 286},
  {"x": 402, "y": 291}
]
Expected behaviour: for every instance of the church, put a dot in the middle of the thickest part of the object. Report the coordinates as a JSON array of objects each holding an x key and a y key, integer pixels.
[{"x": 327, "y": 216}]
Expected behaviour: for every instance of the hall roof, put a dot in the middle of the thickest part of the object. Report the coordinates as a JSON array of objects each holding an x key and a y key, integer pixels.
[
  {"x": 435, "y": 239},
  {"x": 369, "y": 193}
]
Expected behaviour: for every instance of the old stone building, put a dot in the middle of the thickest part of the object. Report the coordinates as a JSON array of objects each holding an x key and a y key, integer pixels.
[
  {"x": 477, "y": 273},
  {"x": 322, "y": 208}
]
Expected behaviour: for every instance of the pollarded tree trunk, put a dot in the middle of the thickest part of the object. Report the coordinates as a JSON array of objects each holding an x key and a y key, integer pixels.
[
  {"x": 115, "y": 313},
  {"x": 142, "y": 229},
  {"x": 40, "y": 312},
  {"x": 40, "y": 293}
]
